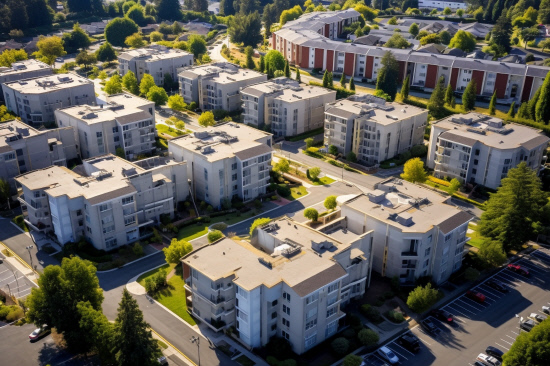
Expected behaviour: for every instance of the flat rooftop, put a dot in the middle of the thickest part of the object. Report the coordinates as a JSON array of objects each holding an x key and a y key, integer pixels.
[
  {"x": 225, "y": 141},
  {"x": 221, "y": 72},
  {"x": 104, "y": 113},
  {"x": 154, "y": 53},
  {"x": 471, "y": 127},
  {"x": 24, "y": 66},
  {"x": 130, "y": 101},
  {"x": 46, "y": 84},
  {"x": 14, "y": 130},
  {"x": 289, "y": 90}
]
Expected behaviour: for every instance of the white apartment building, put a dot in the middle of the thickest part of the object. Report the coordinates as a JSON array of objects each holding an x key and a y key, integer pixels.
[
  {"x": 154, "y": 60},
  {"x": 288, "y": 107},
  {"x": 23, "y": 70},
  {"x": 225, "y": 162},
  {"x": 480, "y": 149},
  {"x": 442, "y": 4},
  {"x": 373, "y": 129},
  {"x": 290, "y": 283},
  {"x": 415, "y": 232},
  {"x": 23, "y": 148},
  {"x": 216, "y": 85},
  {"x": 107, "y": 200},
  {"x": 125, "y": 121},
  {"x": 36, "y": 99}
]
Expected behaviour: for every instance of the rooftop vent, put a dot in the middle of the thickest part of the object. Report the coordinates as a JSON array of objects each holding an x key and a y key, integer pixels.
[{"x": 207, "y": 150}]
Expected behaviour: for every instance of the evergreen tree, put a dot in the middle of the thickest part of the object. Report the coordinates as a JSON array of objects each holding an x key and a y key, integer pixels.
[
  {"x": 469, "y": 96},
  {"x": 501, "y": 33},
  {"x": 544, "y": 12},
  {"x": 298, "y": 77},
  {"x": 523, "y": 111},
  {"x": 542, "y": 110},
  {"x": 262, "y": 64},
  {"x": 449, "y": 95},
  {"x": 249, "y": 51},
  {"x": 343, "y": 81},
  {"x": 133, "y": 342},
  {"x": 351, "y": 84},
  {"x": 436, "y": 104},
  {"x": 388, "y": 75},
  {"x": 493, "y": 104},
  {"x": 226, "y": 7},
  {"x": 287, "y": 69},
  {"x": 246, "y": 29},
  {"x": 488, "y": 14},
  {"x": 325, "y": 79},
  {"x": 330, "y": 81},
  {"x": 532, "y": 105},
  {"x": 514, "y": 210},
  {"x": 405, "y": 88},
  {"x": 512, "y": 110},
  {"x": 497, "y": 10},
  {"x": 168, "y": 10}
]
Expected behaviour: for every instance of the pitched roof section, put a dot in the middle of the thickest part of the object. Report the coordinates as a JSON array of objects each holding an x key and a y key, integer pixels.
[
  {"x": 319, "y": 280},
  {"x": 455, "y": 221}
]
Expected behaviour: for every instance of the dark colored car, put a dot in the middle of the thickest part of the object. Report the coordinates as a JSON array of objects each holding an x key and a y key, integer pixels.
[
  {"x": 442, "y": 315},
  {"x": 476, "y": 296},
  {"x": 495, "y": 352},
  {"x": 527, "y": 325},
  {"x": 479, "y": 363},
  {"x": 163, "y": 360},
  {"x": 409, "y": 342},
  {"x": 519, "y": 269},
  {"x": 497, "y": 285},
  {"x": 429, "y": 326}
]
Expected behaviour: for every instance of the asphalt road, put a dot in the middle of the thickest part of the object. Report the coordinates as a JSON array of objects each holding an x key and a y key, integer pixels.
[
  {"x": 477, "y": 326},
  {"x": 12, "y": 281}
]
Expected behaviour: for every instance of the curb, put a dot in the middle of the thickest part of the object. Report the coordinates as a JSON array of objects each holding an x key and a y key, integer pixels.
[
  {"x": 174, "y": 347},
  {"x": 132, "y": 262}
]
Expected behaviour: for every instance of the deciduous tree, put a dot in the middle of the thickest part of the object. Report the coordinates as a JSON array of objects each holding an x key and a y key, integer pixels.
[
  {"x": 492, "y": 252},
  {"x": 414, "y": 29},
  {"x": 413, "y": 171},
  {"x": 463, "y": 40},
  {"x": 85, "y": 58},
  {"x": 176, "y": 102},
  {"x": 388, "y": 75},
  {"x": 275, "y": 60},
  {"x": 311, "y": 214},
  {"x": 147, "y": 82},
  {"x": 330, "y": 202},
  {"x": 49, "y": 48},
  {"x": 422, "y": 298},
  {"x": 176, "y": 250},
  {"x": 168, "y": 10},
  {"x": 8, "y": 57},
  {"x": 76, "y": 40},
  {"x": 130, "y": 83},
  {"x": 196, "y": 45},
  {"x": 135, "y": 40},
  {"x": 158, "y": 95},
  {"x": 314, "y": 173},
  {"x": 214, "y": 235},
  {"x": 106, "y": 52},
  {"x": 368, "y": 337},
  {"x": 282, "y": 166},
  {"x": 113, "y": 86},
  {"x": 530, "y": 348},
  {"x": 258, "y": 222},
  {"x": 206, "y": 119},
  {"x": 397, "y": 41},
  {"x": 119, "y": 29}
]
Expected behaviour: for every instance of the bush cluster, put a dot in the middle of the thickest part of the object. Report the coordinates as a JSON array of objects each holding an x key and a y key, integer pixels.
[{"x": 156, "y": 282}]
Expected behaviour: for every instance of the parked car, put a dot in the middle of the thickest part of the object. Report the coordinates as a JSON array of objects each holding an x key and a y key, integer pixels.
[
  {"x": 488, "y": 360},
  {"x": 409, "y": 342},
  {"x": 494, "y": 352},
  {"x": 442, "y": 315},
  {"x": 38, "y": 333},
  {"x": 497, "y": 285},
  {"x": 546, "y": 309},
  {"x": 537, "y": 317},
  {"x": 477, "y": 363},
  {"x": 527, "y": 325},
  {"x": 519, "y": 269},
  {"x": 59, "y": 59},
  {"x": 163, "y": 360},
  {"x": 429, "y": 326},
  {"x": 476, "y": 296},
  {"x": 388, "y": 355}
]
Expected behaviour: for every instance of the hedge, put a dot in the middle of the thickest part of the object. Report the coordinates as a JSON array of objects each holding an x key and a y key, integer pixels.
[{"x": 439, "y": 181}]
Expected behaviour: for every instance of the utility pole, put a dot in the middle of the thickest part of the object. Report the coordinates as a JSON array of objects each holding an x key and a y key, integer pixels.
[
  {"x": 30, "y": 254},
  {"x": 197, "y": 340}
]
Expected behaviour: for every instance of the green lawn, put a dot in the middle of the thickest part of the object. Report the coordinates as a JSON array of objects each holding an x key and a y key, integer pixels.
[
  {"x": 172, "y": 131},
  {"x": 476, "y": 238},
  {"x": 173, "y": 297},
  {"x": 194, "y": 231},
  {"x": 323, "y": 181},
  {"x": 297, "y": 192},
  {"x": 245, "y": 361}
]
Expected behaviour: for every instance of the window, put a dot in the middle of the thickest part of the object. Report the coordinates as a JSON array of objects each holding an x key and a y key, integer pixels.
[
  {"x": 245, "y": 164},
  {"x": 234, "y": 166},
  {"x": 286, "y": 323},
  {"x": 273, "y": 315},
  {"x": 427, "y": 252},
  {"x": 129, "y": 220},
  {"x": 331, "y": 328},
  {"x": 312, "y": 313},
  {"x": 285, "y": 335},
  {"x": 274, "y": 302},
  {"x": 333, "y": 287},
  {"x": 127, "y": 200},
  {"x": 429, "y": 241},
  {"x": 332, "y": 300},
  {"x": 286, "y": 309},
  {"x": 286, "y": 296},
  {"x": 448, "y": 237},
  {"x": 426, "y": 263},
  {"x": 311, "y": 298},
  {"x": 195, "y": 274},
  {"x": 110, "y": 243},
  {"x": 205, "y": 174},
  {"x": 331, "y": 311},
  {"x": 103, "y": 207},
  {"x": 9, "y": 156},
  {"x": 273, "y": 327},
  {"x": 311, "y": 341}
]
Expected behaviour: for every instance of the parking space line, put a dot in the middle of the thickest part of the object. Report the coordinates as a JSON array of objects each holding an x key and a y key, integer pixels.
[
  {"x": 4, "y": 271},
  {"x": 512, "y": 338},
  {"x": 422, "y": 339},
  {"x": 500, "y": 345},
  {"x": 506, "y": 281},
  {"x": 509, "y": 274},
  {"x": 455, "y": 304},
  {"x": 395, "y": 343},
  {"x": 539, "y": 266},
  {"x": 467, "y": 303},
  {"x": 397, "y": 352},
  {"x": 515, "y": 332},
  {"x": 529, "y": 265},
  {"x": 457, "y": 317},
  {"x": 485, "y": 289},
  {"x": 506, "y": 342}
]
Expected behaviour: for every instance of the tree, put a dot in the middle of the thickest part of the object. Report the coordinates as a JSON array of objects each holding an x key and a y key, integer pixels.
[
  {"x": 275, "y": 60},
  {"x": 169, "y": 10},
  {"x": 414, "y": 29},
  {"x": 214, "y": 235},
  {"x": 422, "y": 298},
  {"x": 269, "y": 16},
  {"x": 449, "y": 95},
  {"x": 55, "y": 301},
  {"x": 114, "y": 85},
  {"x": 340, "y": 345},
  {"x": 460, "y": 13},
  {"x": 469, "y": 96},
  {"x": 85, "y": 59},
  {"x": 463, "y": 40},
  {"x": 5, "y": 191},
  {"x": 405, "y": 88},
  {"x": 413, "y": 171},
  {"x": 492, "y": 252},
  {"x": 76, "y": 40},
  {"x": 351, "y": 84},
  {"x": 343, "y": 80},
  {"x": 206, "y": 119},
  {"x": 137, "y": 14},
  {"x": 133, "y": 341},
  {"x": 397, "y": 41},
  {"x": 196, "y": 45},
  {"x": 447, "y": 11},
  {"x": 168, "y": 82},
  {"x": 261, "y": 66},
  {"x": 176, "y": 250},
  {"x": 290, "y": 14},
  {"x": 299, "y": 78},
  {"x": 454, "y": 186},
  {"x": 98, "y": 330},
  {"x": 282, "y": 166},
  {"x": 246, "y": 29},
  {"x": 130, "y": 83},
  {"x": 330, "y": 202},
  {"x": 512, "y": 111},
  {"x": 39, "y": 14},
  {"x": 388, "y": 75},
  {"x": 530, "y": 348},
  {"x": 528, "y": 34},
  {"x": 249, "y": 51},
  {"x": 158, "y": 95},
  {"x": 430, "y": 38},
  {"x": 445, "y": 37},
  {"x": 259, "y": 222},
  {"x": 325, "y": 79},
  {"x": 118, "y": 29},
  {"x": 309, "y": 142},
  {"x": 176, "y": 102},
  {"x": 513, "y": 212},
  {"x": 8, "y": 57},
  {"x": 544, "y": 44},
  {"x": 501, "y": 33},
  {"x": 532, "y": 104},
  {"x": 493, "y": 104},
  {"x": 392, "y": 21},
  {"x": 542, "y": 110},
  {"x": 156, "y": 36},
  {"x": 367, "y": 13},
  {"x": 180, "y": 125},
  {"x": 135, "y": 40},
  {"x": 368, "y": 337},
  {"x": 49, "y": 48},
  {"x": 436, "y": 104},
  {"x": 544, "y": 12},
  {"x": 106, "y": 53},
  {"x": 351, "y": 157},
  {"x": 120, "y": 152},
  {"x": 352, "y": 360},
  {"x": 314, "y": 173},
  {"x": 333, "y": 150},
  {"x": 85, "y": 6},
  {"x": 311, "y": 214},
  {"x": 523, "y": 110},
  {"x": 147, "y": 82}
]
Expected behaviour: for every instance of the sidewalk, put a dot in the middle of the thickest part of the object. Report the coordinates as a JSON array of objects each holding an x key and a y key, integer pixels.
[{"x": 19, "y": 264}]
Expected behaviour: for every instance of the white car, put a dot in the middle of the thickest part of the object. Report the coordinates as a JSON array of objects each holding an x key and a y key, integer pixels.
[
  {"x": 537, "y": 317},
  {"x": 388, "y": 355},
  {"x": 546, "y": 309},
  {"x": 488, "y": 360},
  {"x": 59, "y": 59},
  {"x": 37, "y": 333}
]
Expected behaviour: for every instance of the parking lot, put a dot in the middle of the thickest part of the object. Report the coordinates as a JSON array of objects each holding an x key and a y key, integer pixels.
[
  {"x": 478, "y": 325},
  {"x": 14, "y": 282}
]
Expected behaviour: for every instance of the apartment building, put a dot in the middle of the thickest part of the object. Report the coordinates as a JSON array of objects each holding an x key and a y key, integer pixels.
[
  {"x": 311, "y": 41},
  {"x": 107, "y": 200},
  {"x": 416, "y": 232},
  {"x": 216, "y": 85},
  {"x": 125, "y": 122},
  {"x": 290, "y": 283},
  {"x": 480, "y": 149},
  {"x": 226, "y": 162},
  {"x": 154, "y": 60},
  {"x": 288, "y": 107},
  {"x": 24, "y": 148},
  {"x": 23, "y": 70},
  {"x": 372, "y": 128},
  {"x": 442, "y": 4},
  {"x": 36, "y": 99}
]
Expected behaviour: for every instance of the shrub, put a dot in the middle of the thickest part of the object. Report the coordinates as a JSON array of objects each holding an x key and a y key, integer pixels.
[
  {"x": 395, "y": 316},
  {"x": 355, "y": 322},
  {"x": 274, "y": 198},
  {"x": 14, "y": 314},
  {"x": 257, "y": 203},
  {"x": 372, "y": 314},
  {"x": 259, "y": 222},
  {"x": 214, "y": 235},
  {"x": 314, "y": 173},
  {"x": 219, "y": 226},
  {"x": 340, "y": 346},
  {"x": 333, "y": 150},
  {"x": 388, "y": 295},
  {"x": 353, "y": 360},
  {"x": 311, "y": 214},
  {"x": 283, "y": 190},
  {"x": 349, "y": 333},
  {"x": 138, "y": 249},
  {"x": 368, "y": 337},
  {"x": 471, "y": 274},
  {"x": 422, "y": 298}
]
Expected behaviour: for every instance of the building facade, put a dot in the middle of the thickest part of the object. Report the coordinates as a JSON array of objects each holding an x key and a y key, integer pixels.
[
  {"x": 290, "y": 288},
  {"x": 23, "y": 148},
  {"x": 288, "y": 107},
  {"x": 480, "y": 149},
  {"x": 415, "y": 232},
  {"x": 125, "y": 122},
  {"x": 226, "y": 162},
  {"x": 154, "y": 60},
  {"x": 216, "y": 85},
  {"x": 373, "y": 129},
  {"x": 310, "y": 42},
  {"x": 23, "y": 70},
  {"x": 36, "y": 99},
  {"x": 107, "y": 200},
  {"x": 440, "y": 5}
]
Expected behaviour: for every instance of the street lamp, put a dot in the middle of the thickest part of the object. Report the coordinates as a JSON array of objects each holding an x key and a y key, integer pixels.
[
  {"x": 30, "y": 255},
  {"x": 198, "y": 342},
  {"x": 15, "y": 276}
]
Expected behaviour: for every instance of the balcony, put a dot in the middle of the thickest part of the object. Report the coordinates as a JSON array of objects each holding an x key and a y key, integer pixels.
[{"x": 409, "y": 254}]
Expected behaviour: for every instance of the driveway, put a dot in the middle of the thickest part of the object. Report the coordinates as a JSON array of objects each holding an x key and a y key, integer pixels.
[{"x": 12, "y": 281}]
